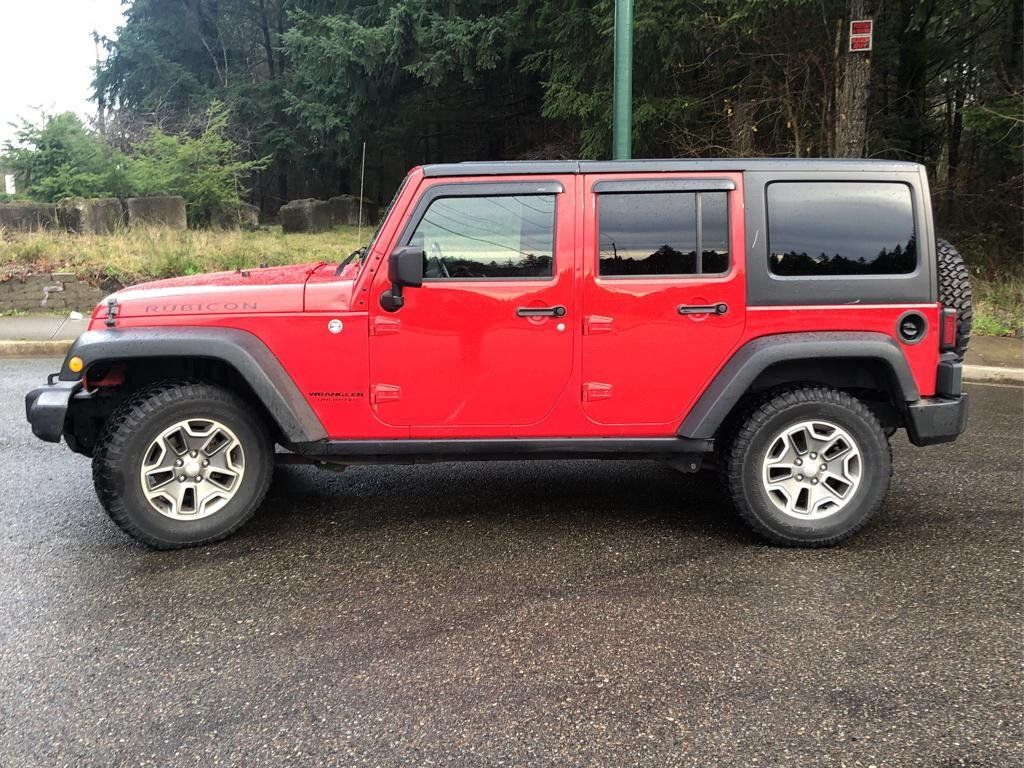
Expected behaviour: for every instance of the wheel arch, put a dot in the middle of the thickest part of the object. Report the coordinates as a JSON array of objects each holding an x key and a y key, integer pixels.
[
  {"x": 860, "y": 361},
  {"x": 226, "y": 356}
]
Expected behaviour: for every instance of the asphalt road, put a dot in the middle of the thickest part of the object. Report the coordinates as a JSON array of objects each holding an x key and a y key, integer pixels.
[{"x": 515, "y": 614}]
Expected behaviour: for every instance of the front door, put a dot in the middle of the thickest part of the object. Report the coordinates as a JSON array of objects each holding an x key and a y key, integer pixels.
[
  {"x": 486, "y": 344},
  {"x": 663, "y": 292}
]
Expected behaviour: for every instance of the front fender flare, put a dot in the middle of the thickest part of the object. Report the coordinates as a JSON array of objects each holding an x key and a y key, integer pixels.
[
  {"x": 241, "y": 350},
  {"x": 734, "y": 380}
]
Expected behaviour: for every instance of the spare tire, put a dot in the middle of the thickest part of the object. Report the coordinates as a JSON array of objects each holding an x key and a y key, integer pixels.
[{"x": 955, "y": 291}]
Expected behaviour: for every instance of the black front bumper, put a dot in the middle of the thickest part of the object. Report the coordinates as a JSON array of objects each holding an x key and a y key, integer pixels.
[{"x": 47, "y": 408}]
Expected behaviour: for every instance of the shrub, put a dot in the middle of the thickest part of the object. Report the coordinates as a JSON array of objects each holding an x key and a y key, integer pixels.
[
  {"x": 61, "y": 158},
  {"x": 206, "y": 170}
]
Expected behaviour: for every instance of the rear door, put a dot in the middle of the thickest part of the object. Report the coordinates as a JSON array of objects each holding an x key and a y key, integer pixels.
[
  {"x": 663, "y": 292},
  {"x": 485, "y": 345}
]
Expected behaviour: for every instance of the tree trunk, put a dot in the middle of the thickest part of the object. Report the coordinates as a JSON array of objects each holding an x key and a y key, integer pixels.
[
  {"x": 741, "y": 127},
  {"x": 852, "y": 99},
  {"x": 268, "y": 46},
  {"x": 911, "y": 102}
]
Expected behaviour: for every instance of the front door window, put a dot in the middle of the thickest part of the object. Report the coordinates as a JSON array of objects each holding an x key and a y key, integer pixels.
[{"x": 488, "y": 237}]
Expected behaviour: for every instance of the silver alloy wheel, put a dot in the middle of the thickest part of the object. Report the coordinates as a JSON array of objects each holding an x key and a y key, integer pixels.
[
  {"x": 192, "y": 469},
  {"x": 812, "y": 469}
]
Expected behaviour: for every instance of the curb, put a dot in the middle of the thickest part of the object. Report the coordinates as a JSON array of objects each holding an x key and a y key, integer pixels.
[
  {"x": 48, "y": 348},
  {"x": 991, "y": 374}
]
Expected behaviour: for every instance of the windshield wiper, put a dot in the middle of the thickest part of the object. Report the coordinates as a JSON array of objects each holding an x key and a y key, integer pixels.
[{"x": 360, "y": 252}]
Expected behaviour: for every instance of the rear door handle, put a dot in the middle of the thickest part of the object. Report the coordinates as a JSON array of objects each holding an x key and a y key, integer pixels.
[
  {"x": 558, "y": 311},
  {"x": 703, "y": 309}
]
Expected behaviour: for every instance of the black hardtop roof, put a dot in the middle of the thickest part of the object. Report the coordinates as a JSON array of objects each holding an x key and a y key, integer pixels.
[{"x": 769, "y": 164}]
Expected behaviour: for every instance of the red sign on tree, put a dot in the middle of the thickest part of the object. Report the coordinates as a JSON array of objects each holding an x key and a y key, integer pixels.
[{"x": 860, "y": 35}]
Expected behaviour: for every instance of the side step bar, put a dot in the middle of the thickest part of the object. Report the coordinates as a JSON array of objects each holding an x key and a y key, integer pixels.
[{"x": 403, "y": 451}]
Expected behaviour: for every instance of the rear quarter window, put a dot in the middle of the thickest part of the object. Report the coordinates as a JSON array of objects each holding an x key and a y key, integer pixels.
[{"x": 840, "y": 229}]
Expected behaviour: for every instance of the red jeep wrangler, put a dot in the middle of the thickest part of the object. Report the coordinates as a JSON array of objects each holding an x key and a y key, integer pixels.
[{"x": 781, "y": 318}]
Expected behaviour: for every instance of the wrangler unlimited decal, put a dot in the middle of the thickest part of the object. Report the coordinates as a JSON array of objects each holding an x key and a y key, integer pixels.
[{"x": 326, "y": 395}]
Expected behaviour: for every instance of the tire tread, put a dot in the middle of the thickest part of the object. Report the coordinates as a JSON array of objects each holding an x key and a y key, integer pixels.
[{"x": 954, "y": 283}]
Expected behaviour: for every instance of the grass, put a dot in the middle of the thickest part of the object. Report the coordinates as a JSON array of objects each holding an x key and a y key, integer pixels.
[
  {"x": 136, "y": 256},
  {"x": 998, "y": 306},
  {"x": 997, "y": 282}
]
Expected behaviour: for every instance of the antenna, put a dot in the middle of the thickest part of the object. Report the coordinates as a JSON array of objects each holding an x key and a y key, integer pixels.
[{"x": 362, "y": 176}]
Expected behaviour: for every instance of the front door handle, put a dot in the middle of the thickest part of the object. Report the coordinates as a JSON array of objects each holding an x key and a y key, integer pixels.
[
  {"x": 558, "y": 311},
  {"x": 703, "y": 309}
]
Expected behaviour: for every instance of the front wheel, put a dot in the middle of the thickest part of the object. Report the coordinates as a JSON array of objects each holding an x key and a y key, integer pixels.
[
  {"x": 809, "y": 467},
  {"x": 182, "y": 463}
]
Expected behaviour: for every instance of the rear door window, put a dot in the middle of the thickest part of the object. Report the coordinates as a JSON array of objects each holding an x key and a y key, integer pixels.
[
  {"x": 662, "y": 234},
  {"x": 841, "y": 228}
]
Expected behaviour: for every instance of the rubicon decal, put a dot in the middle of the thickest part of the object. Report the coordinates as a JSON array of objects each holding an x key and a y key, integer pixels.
[{"x": 214, "y": 306}]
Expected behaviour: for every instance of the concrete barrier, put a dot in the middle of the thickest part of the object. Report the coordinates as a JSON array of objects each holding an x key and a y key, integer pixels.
[
  {"x": 157, "y": 211},
  {"x": 345, "y": 211},
  {"x": 28, "y": 216},
  {"x": 91, "y": 216},
  {"x": 371, "y": 213},
  {"x": 306, "y": 216},
  {"x": 241, "y": 216}
]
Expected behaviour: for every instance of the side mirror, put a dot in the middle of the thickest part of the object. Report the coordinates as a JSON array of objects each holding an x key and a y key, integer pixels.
[{"x": 405, "y": 270}]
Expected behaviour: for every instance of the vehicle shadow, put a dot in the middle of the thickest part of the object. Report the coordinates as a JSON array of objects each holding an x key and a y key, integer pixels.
[{"x": 520, "y": 494}]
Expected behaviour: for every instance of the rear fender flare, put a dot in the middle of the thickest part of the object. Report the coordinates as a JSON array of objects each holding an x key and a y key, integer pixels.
[{"x": 734, "y": 380}]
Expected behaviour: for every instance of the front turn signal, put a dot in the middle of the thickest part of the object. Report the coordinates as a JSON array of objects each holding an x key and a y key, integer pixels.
[{"x": 76, "y": 364}]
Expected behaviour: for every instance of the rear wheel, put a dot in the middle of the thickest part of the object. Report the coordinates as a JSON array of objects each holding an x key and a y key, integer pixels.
[
  {"x": 808, "y": 467},
  {"x": 181, "y": 464}
]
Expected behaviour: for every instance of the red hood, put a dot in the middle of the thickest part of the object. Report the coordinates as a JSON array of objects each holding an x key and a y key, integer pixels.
[{"x": 270, "y": 289}]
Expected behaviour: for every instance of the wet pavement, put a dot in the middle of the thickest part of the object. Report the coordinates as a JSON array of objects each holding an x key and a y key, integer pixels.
[{"x": 533, "y": 613}]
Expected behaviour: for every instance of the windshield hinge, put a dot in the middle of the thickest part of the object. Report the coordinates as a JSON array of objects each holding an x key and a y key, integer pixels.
[{"x": 111, "y": 312}]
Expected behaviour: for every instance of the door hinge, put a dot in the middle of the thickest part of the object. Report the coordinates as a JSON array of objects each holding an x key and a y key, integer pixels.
[
  {"x": 385, "y": 393},
  {"x": 596, "y": 390},
  {"x": 594, "y": 324},
  {"x": 385, "y": 325}
]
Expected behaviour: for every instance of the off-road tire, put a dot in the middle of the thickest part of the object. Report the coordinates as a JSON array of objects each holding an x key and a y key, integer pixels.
[
  {"x": 749, "y": 445},
  {"x": 140, "y": 418},
  {"x": 955, "y": 291}
]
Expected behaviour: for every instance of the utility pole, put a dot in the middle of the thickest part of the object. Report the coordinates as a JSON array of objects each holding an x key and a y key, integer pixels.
[
  {"x": 101, "y": 117},
  {"x": 622, "y": 84}
]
